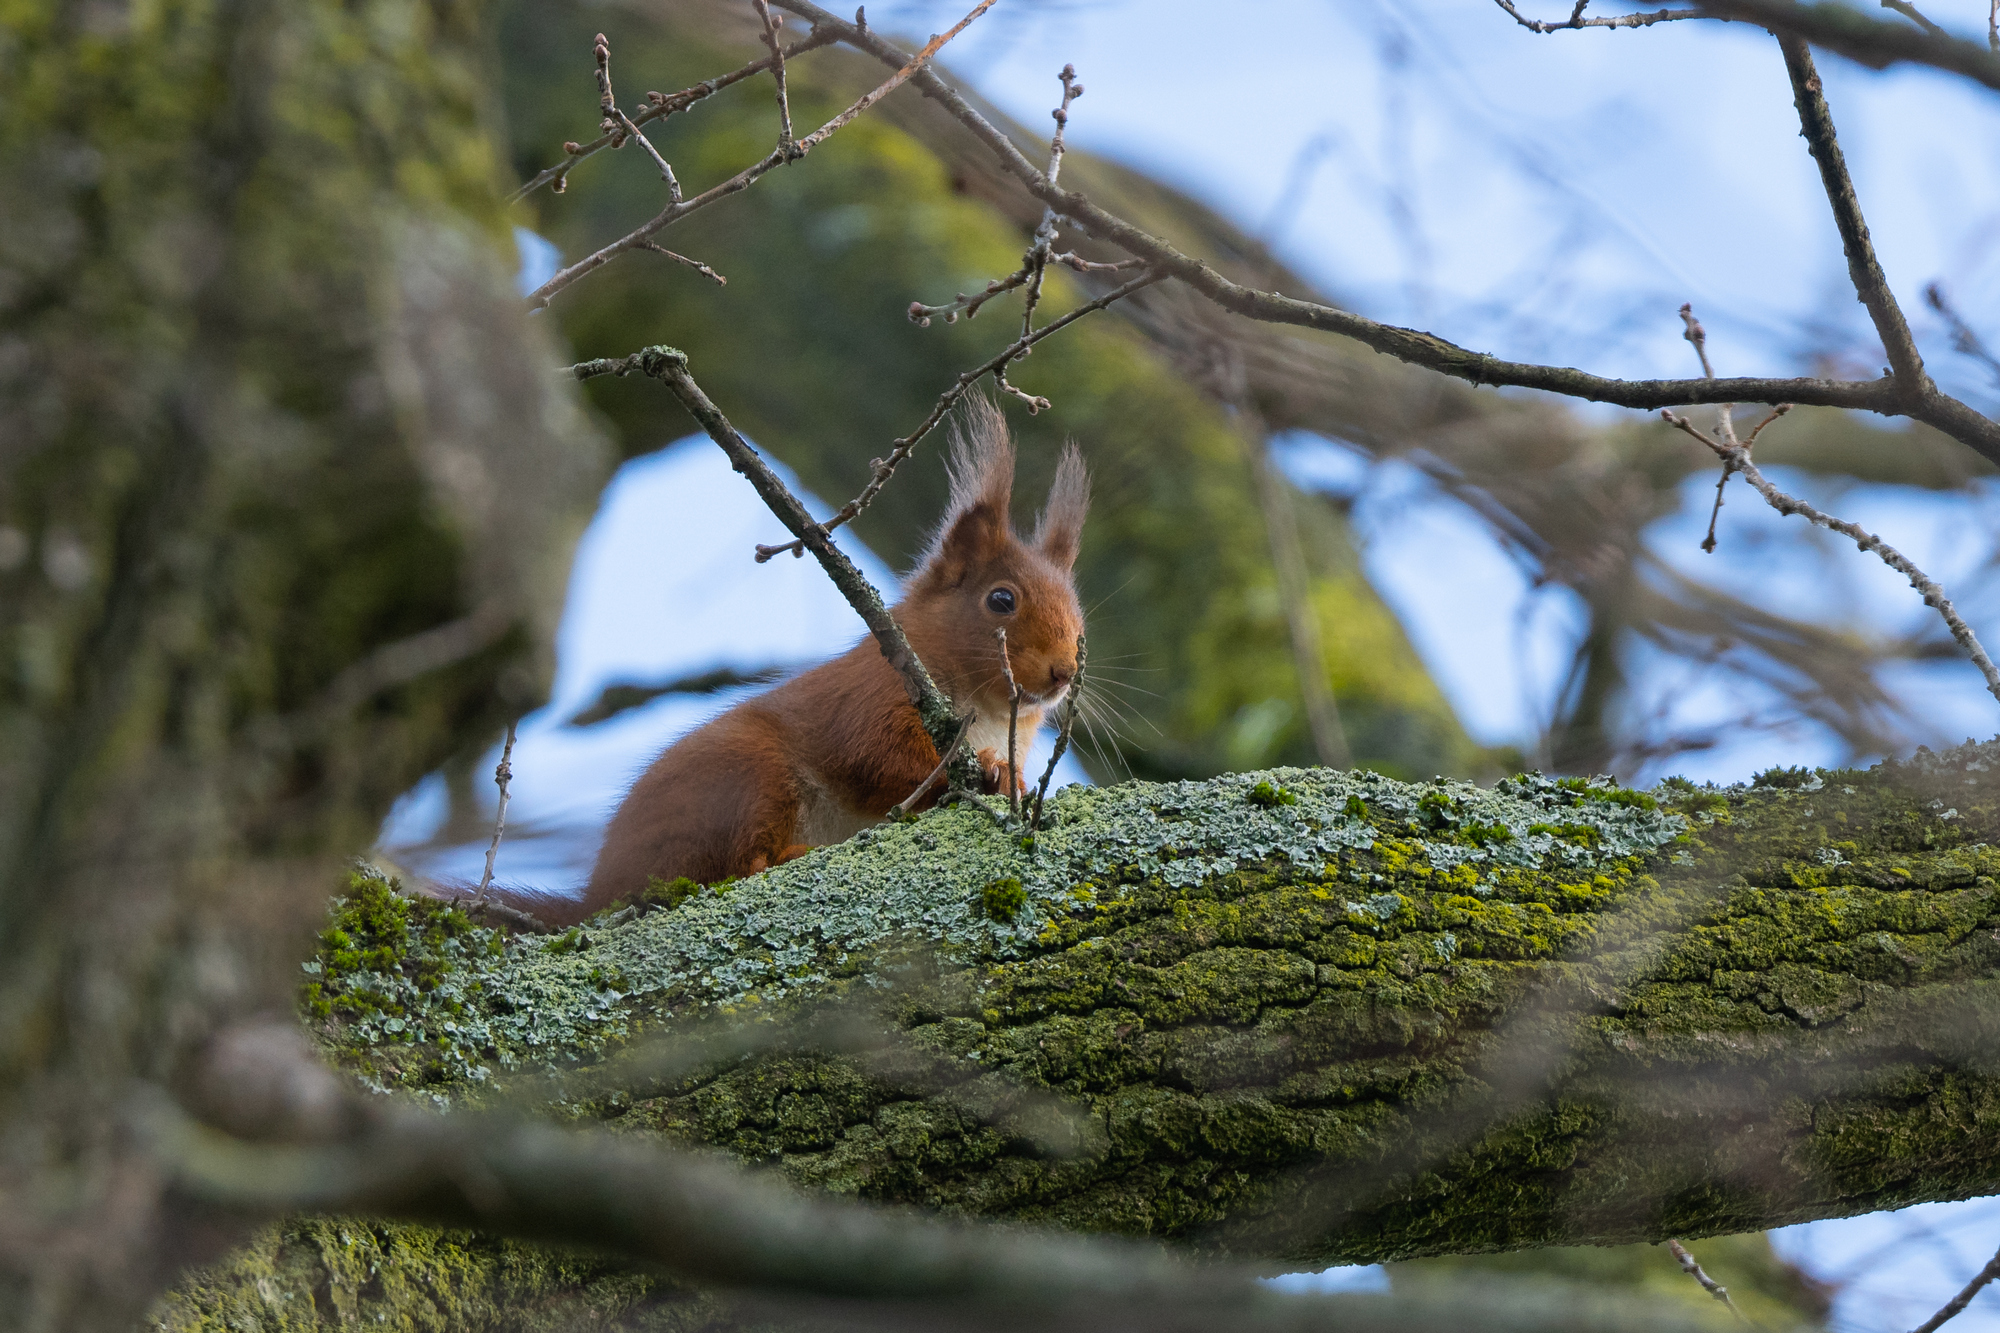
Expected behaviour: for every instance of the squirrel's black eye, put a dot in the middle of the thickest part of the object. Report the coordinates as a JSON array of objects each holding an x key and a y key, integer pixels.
[{"x": 1000, "y": 601}]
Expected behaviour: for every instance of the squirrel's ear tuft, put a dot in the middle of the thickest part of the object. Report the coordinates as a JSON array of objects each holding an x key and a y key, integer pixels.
[
  {"x": 1060, "y": 529},
  {"x": 976, "y": 525}
]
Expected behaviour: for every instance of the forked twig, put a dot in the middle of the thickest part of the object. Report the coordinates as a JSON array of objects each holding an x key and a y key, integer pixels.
[
  {"x": 658, "y": 107},
  {"x": 679, "y": 208},
  {"x": 1927, "y": 587}
]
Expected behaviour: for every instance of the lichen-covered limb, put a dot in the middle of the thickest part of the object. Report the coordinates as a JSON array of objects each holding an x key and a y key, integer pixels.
[{"x": 1302, "y": 1014}]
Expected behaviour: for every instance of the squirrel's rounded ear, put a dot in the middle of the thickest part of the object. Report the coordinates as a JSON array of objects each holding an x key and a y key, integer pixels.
[{"x": 1059, "y": 531}]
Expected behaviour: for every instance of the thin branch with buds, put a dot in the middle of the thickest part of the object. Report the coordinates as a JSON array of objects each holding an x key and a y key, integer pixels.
[
  {"x": 1735, "y": 457},
  {"x": 1036, "y": 262},
  {"x": 1577, "y": 20},
  {"x": 750, "y": 175},
  {"x": 658, "y": 107},
  {"x": 1927, "y": 587},
  {"x": 694, "y": 264},
  {"x": 884, "y": 468},
  {"x": 1956, "y": 1304},
  {"x": 771, "y": 28},
  {"x": 1708, "y": 1284}
]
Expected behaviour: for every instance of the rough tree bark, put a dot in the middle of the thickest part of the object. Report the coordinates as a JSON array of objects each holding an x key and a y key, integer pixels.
[
  {"x": 285, "y": 495},
  {"x": 1300, "y": 1017}
]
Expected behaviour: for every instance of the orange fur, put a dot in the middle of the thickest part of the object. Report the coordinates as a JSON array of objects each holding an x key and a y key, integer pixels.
[{"x": 832, "y": 750}]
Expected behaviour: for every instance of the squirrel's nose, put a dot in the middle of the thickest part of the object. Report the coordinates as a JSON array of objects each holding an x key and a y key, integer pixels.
[{"x": 1061, "y": 676}]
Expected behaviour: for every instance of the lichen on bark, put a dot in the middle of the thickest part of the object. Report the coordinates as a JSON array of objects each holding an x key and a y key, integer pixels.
[{"x": 1376, "y": 1021}]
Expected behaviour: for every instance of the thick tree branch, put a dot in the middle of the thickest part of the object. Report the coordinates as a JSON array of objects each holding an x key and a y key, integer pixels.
[
  {"x": 1869, "y": 41},
  {"x": 706, "y": 1220}
]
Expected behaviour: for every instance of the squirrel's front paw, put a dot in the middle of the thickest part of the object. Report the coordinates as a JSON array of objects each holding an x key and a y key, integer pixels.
[{"x": 1000, "y": 776}]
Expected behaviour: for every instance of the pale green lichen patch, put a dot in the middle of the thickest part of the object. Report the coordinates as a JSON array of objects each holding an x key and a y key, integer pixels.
[
  {"x": 419, "y": 997},
  {"x": 1453, "y": 1020}
]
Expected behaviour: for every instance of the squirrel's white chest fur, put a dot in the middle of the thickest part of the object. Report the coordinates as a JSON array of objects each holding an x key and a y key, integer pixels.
[{"x": 990, "y": 733}]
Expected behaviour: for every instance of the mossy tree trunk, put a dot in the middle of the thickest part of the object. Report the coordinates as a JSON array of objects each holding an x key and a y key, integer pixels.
[{"x": 285, "y": 487}]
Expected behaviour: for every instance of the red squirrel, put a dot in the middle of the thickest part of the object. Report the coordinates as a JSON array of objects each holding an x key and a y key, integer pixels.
[{"x": 831, "y": 751}]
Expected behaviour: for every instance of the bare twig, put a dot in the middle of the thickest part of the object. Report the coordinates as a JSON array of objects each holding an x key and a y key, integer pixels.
[
  {"x": 1725, "y": 419},
  {"x": 1928, "y": 588},
  {"x": 1036, "y": 262},
  {"x": 884, "y": 468},
  {"x": 694, "y": 264},
  {"x": 1708, "y": 1284},
  {"x": 904, "y": 806},
  {"x": 1963, "y": 339},
  {"x": 771, "y": 28},
  {"x": 1888, "y": 396},
  {"x": 1066, "y": 723},
  {"x": 1863, "y": 269},
  {"x": 750, "y": 175},
  {"x": 897, "y": 80},
  {"x": 503, "y": 775},
  {"x": 1956, "y": 1304},
  {"x": 1912, "y": 13},
  {"x": 659, "y": 106},
  {"x": 1577, "y": 20},
  {"x": 666, "y": 170},
  {"x": 1013, "y": 725}
]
